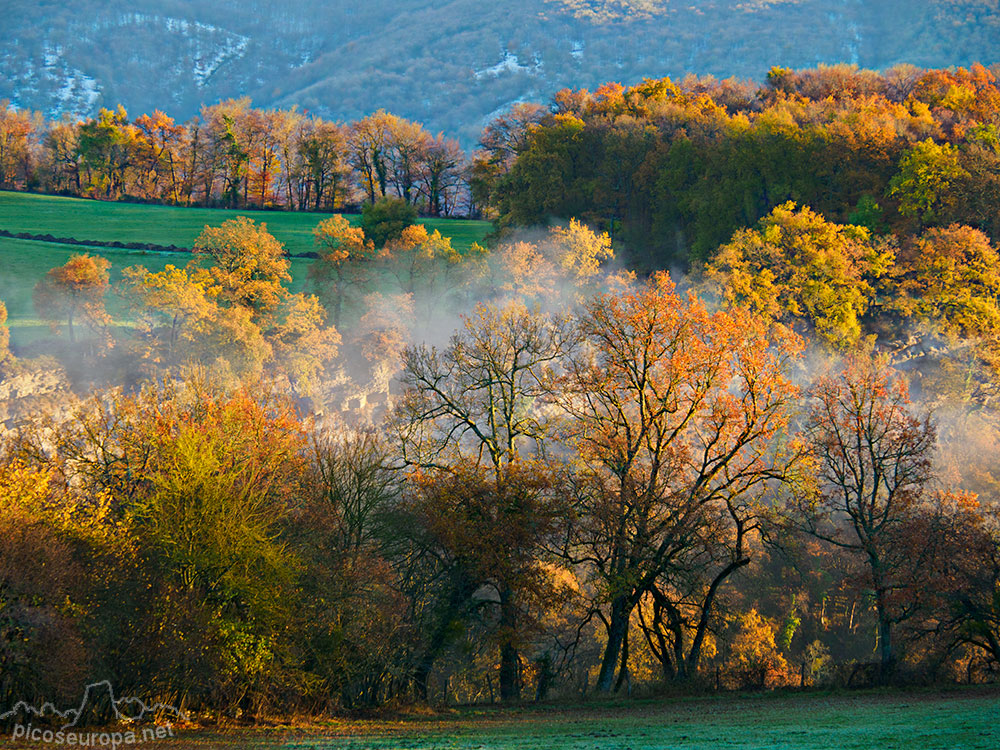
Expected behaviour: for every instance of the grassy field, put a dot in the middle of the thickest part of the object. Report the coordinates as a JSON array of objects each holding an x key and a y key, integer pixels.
[
  {"x": 166, "y": 225},
  {"x": 24, "y": 262},
  {"x": 961, "y": 720}
]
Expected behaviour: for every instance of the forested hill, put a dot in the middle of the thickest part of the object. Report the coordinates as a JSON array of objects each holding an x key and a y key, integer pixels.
[{"x": 450, "y": 64}]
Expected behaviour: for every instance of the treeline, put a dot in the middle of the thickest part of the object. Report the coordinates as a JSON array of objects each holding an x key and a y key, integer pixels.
[
  {"x": 670, "y": 168},
  {"x": 235, "y": 156},
  {"x": 673, "y": 169}
]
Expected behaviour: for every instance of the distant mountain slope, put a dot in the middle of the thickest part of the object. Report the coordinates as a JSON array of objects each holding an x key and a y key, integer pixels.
[{"x": 449, "y": 64}]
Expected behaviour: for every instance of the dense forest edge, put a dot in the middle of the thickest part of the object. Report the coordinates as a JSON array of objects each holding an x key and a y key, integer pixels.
[{"x": 715, "y": 408}]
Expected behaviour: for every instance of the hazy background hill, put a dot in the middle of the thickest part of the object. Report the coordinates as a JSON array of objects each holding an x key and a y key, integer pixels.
[{"x": 448, "y": 64}]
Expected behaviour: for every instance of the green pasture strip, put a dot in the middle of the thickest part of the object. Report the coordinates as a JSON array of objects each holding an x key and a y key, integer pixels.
[
  {"x": 810, "y": 722},
  {"x": 104, "y": 221}
]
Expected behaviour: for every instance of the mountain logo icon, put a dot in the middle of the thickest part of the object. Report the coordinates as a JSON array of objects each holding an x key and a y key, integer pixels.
[{"x": 98, "y": 704}]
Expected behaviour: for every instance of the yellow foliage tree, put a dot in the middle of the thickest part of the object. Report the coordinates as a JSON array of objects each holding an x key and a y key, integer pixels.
[
  {"x": 800, "y": 268},
  {"x": 581, "y": 251},
  {"x": 249, "y": 265},
  {"x": 754, "y": 660},
  {"x": 343, "y": 250},
  {"x": 179, "y": 300}
]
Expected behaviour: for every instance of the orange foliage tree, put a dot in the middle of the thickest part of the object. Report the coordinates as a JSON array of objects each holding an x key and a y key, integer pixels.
[
  {"x": 73, "y": 291},
  {"x": 675, "y": 413}
]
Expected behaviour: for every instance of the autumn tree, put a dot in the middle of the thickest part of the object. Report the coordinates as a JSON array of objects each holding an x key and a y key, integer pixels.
[
  {"x": 199, "y": 482},
  {"x": 408, "y": 144},
  {"x": 43, "y": 539},
  {"x": 754, "y": 660},
  {"x": 61, "y": 160},
  {"x": 75, "y": 291},
  {"x": 798, "y": 267},
  {"x": 952, "y": 280},
  {"x": 386, "y": 219},
  {"x": 580, "y": 251},
  {"x": 485, "y": 536},
  {"x": 108, "y": 148},
  {"x": 873, "y": 464},
  {"x": 359, "y": 632},
  {"x": 923, "y": 186},
  {"x": 442, "y": 174},
  {"x": 16, "y": 131},
  {"x": 420, "y": 261},
  {"x": 476, "y": 404},
  {"x": 674, "y": 413},
  {"x": 223, "y": 148},
  {"x": 179, "y": 300},
  {"x": 502, "y": 141},
  {"x": 159, "y": 154},
  {"x": 975, "y": 600},
  {"x": 368, "y": 144},
  {"x": 322, "y": 153},
  {"x": 303, "y": 344},
  {"x": 688, "y": 599},
  {"x": 343, "y": 251},
  {"x": 272, "y": 130},
  {"x": 249, "y": 265},
  {"x": 521, "y": 270}
]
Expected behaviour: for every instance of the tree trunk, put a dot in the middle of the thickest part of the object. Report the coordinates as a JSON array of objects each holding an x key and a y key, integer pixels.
[
  {"x": 623, "y": 674},
  {"x": 462, "y": 588},
  {"x": 422, "y": 675},
  {"x": 510, "y": 659},
  {"x": 510, "y": 663},
  {"x": 694, "y": 655},
  {"x": 617, "y": 627},
  {"x": 887, "y": 658}
]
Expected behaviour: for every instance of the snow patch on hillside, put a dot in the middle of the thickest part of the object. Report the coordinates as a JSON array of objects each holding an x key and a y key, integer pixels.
[
  {"x": 74, "y": 90},
  {"x": 211, "y": 46},
  {"x": 79, "y": 91},
  {"x": 205, "y": 66},
  {"x": 509, "y": 64}
]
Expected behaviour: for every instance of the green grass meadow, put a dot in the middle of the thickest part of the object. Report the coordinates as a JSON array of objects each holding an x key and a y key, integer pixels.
[
  {"x": 103, "y": 221},
  {"x": 24, "y": 262},
  {"x": 954, "y": 720}
]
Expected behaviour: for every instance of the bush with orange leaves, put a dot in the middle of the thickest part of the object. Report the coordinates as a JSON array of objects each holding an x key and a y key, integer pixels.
[{"x": 754, "y": 661}]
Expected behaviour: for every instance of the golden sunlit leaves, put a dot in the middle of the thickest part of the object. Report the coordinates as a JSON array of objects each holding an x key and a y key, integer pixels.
[
  {"x": 338, "y": 241},
  {"x": 581, "y": 251},
  {"x": 796, "y": 266},
  {"x": 249, "y": 264},
  {"x": 4, "y": 335},
  {"x": 675, "y": 415},
  {"x": 927, "y": 174}
]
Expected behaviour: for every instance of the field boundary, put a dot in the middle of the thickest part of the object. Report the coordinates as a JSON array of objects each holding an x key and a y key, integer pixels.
[{"x": 149, "y": 246}]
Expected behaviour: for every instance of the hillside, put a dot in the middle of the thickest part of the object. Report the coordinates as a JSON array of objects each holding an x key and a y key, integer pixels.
[{"x": 450, "y": 65}]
